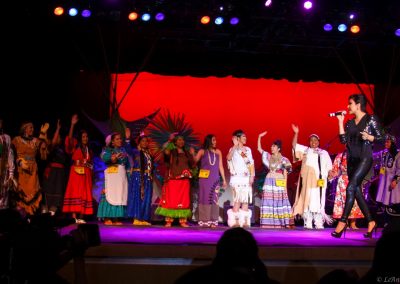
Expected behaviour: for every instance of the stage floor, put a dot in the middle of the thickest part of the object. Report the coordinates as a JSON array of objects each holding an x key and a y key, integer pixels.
[
  {"x": 210, "y": 236},
  {"x": 133, "y": 251}
]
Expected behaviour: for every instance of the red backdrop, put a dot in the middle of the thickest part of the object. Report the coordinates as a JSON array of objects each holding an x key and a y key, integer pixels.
[{"x": 222, "y": 105}]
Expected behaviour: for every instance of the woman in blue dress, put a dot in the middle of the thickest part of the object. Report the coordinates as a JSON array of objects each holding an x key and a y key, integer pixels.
[{"x": 141, "y": 184}]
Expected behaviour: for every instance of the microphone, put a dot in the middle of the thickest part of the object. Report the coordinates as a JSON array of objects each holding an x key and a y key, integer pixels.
[{"x": 342, "y": 112}]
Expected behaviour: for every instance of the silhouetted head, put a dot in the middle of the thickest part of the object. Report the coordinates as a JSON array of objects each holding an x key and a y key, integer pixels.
[
  {"x": 236, "y": 247},
  {"x": 339, "y": 276},
  {"x": 387, "y": 252}
]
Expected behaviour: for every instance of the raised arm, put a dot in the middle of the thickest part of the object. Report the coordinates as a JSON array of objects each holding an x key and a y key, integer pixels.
[
  {"x": 259, "y": 148},
  {"x": 74, "y": 120},
  {"x": 295, "y": 136},
  {"x": 56, "y": 133},
  {"x": 165, "y": 148}
]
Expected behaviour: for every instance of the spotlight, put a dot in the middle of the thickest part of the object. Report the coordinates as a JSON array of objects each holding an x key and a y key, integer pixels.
[
  {"x": 73, "y": 12},
  {"x": 86, "y": 13},
  {"x": 219, "y": 20},
  {"x": 268, "y": 3},
  {"x": 352, "y": 16},
  {"x": 342, "y": 28},
  {"x": 328, "y": 27},
  {"x": 58, "y": 11},
  {"x": 160, "y": 17},
  {"x": 397, "y": 32},
  {"x": 234, "y": 21},
  {"x": 205, "y": 20},
  {"x": 307, "y": 5},
  {"x": 146, "y": 17},
  {"x": 133, "y": 16},
  {"x": 355, "y": 29}
]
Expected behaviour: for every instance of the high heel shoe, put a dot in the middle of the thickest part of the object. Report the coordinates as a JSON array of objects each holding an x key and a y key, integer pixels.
[
  {"x": 368, "y": 235},
  {"x": 339, "y": 234}
]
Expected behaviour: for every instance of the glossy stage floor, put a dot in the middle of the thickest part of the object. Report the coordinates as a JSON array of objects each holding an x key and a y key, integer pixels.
[{"x": 154, "y": 254}]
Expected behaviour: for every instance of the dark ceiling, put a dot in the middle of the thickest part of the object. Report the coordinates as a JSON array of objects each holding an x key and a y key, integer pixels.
[
  {"x": 281, "y": 41},
  {"x": 64, "y": 62}
]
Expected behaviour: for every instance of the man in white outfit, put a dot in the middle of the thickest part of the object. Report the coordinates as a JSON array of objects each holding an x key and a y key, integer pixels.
[{"x": 241, "y": 167}]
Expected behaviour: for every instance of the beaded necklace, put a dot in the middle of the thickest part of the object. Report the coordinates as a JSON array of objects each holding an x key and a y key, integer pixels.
[{"x": 209, "y": 158}]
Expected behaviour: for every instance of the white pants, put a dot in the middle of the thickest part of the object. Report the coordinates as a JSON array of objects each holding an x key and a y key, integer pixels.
[{"x": 309, "y": 217}]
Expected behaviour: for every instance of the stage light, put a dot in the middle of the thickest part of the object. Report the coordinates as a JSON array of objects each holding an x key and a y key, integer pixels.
[
  {"x": 73, "y": 12},
  {"x": 221, "y": 8},
  {"x": 219, "y": 20},
  {"x": 160, "y": 17},
  {"x": 234, "y": 21},
  {"x": 58, "y": 11},
  {"x": 352, "y": 16},
  {"x": 86, "y": 13},
  {"x": 133, "y": 16},
  {"x": 397, "y": 32},
  {"x": 342, "y": 28},
  {"x": 268, "y": 3},
  {"x": 355, "y": 29},
  {"x": 205, "y": 20},
  {"x": 328, "y": 27},
  {"x": 146, "y": 17},
  {"x": 307, "y": 5}
]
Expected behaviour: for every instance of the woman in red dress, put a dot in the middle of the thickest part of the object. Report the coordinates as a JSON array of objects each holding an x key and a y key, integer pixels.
[
  {"x": 175, "y": 199},
  {"x": 78, "y": 198}
]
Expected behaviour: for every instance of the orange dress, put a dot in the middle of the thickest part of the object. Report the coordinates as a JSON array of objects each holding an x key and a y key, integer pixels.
[{"x": 28, "y": 179}]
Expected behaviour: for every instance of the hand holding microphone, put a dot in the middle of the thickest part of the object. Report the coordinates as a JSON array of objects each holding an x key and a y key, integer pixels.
[{"x": 341, "y": 112}]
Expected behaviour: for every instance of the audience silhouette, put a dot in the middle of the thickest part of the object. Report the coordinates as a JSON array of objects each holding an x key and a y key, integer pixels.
[
  {"x": 236, "y": 261},
  {"x": 386, "y": 262}
]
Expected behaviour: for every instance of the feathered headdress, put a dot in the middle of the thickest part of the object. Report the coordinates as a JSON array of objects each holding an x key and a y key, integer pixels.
[{"x": 164, "y": 125}]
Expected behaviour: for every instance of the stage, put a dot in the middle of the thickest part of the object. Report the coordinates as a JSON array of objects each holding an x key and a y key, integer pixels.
[{"x": 154, "y": 254}]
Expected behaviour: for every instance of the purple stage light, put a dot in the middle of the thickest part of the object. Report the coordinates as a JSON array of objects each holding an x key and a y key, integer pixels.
[
  {"x": 397, "y": 32},
  {"x": 234, "y": 21},
  {"x": 86, "y": 13},
  {"x": 160, "y": 17},
  {"x": 328, "y": 27}
]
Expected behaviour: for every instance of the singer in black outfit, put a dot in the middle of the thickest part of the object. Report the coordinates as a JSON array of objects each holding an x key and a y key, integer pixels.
[{"x": 359, "y": 135}]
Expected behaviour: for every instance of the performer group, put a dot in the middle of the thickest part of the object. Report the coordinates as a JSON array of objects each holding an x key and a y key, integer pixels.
[{"x": 57, "y": 176}]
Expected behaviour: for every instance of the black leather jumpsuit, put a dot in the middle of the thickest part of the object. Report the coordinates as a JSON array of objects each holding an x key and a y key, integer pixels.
[{"x": 359, "y": 160}]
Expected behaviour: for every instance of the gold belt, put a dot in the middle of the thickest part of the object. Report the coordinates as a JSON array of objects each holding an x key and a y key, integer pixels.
[{"x": 138, "y": 170}]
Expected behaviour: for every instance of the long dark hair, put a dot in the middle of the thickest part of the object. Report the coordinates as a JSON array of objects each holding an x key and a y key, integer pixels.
[
  {"x": 174, "y": 152},
  {"x": 393, "y": 148},
  {"x": 208, "y": 141},
  {"x": 360, "y": 99},
  {"x": 143, "y": 158}
]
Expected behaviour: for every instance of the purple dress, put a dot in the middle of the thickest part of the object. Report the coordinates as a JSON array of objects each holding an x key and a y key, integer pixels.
[{"x": 208, "y": 192}]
